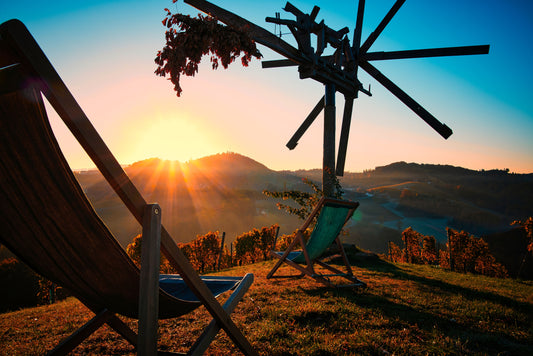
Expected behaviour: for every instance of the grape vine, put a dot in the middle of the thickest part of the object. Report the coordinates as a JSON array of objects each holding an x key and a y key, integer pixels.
[{"x": 188, "y": 39}]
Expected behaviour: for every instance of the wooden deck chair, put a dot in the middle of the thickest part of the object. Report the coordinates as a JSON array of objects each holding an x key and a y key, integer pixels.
[
  {"x": 333, "y": 215},
  {"x": 47, "y": 221}
]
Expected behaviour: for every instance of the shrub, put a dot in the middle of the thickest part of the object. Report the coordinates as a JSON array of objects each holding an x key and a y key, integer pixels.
[
  {"x": 204, "y": 252},
  {"x": 254, "y": 245},
  {"x": 134, "y": 251},
  {"x": 468, "y": 253}
]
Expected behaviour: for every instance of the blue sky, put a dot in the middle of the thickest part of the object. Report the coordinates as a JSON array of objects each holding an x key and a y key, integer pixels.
[{"x": 104, "y": 51}]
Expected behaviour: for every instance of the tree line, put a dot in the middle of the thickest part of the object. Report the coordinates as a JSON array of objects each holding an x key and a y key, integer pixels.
[{"x": 208, "y": 253}]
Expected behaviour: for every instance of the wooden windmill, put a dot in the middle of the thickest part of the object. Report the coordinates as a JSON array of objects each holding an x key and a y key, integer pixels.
[{"x": 338, "y": 72}]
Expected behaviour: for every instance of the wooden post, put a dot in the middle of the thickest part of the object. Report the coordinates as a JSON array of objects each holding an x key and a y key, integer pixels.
[
  {"x": 52, "y": 294},
  {"x": 221, "y": 250},
  {"x": 450, "y": 257},
  {"x": 328, "y": 164},
  {"x": 275, "y": 238},
  {"x": 149, "y": 283}
]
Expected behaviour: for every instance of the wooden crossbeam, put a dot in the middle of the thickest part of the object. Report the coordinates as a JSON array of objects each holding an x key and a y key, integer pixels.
[
  {"x": 276, "y": 63},
  {"x": 305, "y": 125},
  {"x": 429, "y": 52}
]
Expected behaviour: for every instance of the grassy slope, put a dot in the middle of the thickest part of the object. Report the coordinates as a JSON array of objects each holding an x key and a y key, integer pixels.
[{"x": 406, "y": 309}]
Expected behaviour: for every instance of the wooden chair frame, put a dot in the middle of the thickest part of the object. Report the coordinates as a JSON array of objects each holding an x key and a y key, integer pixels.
[
  {"x": 309, "y": 268},
  {"x": 20, "y": 56}
]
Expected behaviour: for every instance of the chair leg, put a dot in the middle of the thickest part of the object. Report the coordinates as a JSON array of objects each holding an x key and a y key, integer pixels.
[
  {"x": 76, "y": 338},
  {"x": 349, "y": 276},
  {"x": 283, "y": 258},
  {"x": 209, "y": 333},
  {"x": 276, "y": 266},
  {"x": 149, "y": 281},
  {"x": 122, "y": 329},
  {"x": 344, "y": 257}
]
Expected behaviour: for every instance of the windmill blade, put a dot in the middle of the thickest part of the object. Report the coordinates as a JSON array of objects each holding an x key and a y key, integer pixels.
[
  {"x": 293, "y": 10},
  {"x": 305, "y": 125},
  {"x": 415, "y": 53},
  {"x": 354, "y": 50},
  {"x": 441, "y": 128},
  {"x": 358, "y": 25},
  {"x": 345, "y": 132},
  {"x": 374, "y": 35},
  {"x": 314, "y": 13},
  {"x": 429, "y": 52}
]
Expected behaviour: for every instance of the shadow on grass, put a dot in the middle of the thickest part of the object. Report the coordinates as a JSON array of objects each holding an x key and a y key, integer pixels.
[
  {"x": 405, "y": 317},
  {"x": 391, "y": 270}
]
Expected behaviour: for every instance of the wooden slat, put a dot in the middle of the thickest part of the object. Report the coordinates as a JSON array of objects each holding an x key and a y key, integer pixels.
[
  {"x": 12, "y": 78},
  {"x": 7, "y": 57}
]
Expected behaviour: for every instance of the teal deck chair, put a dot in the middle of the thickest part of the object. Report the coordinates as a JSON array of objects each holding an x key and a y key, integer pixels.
[
  {"x": 333, "y": 215},
  {"x": 48, "y": 222}
]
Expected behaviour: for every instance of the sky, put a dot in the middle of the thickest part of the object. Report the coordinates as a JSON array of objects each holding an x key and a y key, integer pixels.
[{"x": 105, "y": 50}]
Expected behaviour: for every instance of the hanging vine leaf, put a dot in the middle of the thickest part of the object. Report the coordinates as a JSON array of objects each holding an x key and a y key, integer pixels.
[
  {"x": 188, "y": 39},
  {"x": 306, "y": 201}
]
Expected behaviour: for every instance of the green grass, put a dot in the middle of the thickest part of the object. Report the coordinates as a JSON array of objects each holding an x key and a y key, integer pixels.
[{"x": 406, "y": 310}]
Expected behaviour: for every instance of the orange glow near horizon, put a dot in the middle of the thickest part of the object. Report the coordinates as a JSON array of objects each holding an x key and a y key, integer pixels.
[
  {"x": 168, "y": 136},
  {"x": 190, "y": 191}
]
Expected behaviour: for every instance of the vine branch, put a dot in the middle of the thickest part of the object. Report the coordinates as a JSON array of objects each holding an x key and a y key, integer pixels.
[{"x": 188, "y": 39}]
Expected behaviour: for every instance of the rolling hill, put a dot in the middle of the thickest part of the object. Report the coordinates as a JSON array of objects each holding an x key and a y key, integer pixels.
[
  {"x": 221, "y": 192},
  {"x": 224, "y": 192}
]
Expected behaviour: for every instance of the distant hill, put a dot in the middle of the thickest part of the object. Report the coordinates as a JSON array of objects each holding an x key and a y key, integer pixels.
[
  {"x": 224, "y": 170},
  {"x": 224, "y": 192},
  {"x": 430, "y": 198},
  {"x": 220, "y": 192}
]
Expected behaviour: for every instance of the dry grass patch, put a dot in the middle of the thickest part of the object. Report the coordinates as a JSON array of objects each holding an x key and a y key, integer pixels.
[{"x": 406, "y": 310}]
